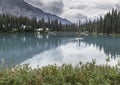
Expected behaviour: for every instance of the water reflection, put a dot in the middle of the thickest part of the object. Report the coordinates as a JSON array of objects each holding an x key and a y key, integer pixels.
[
  {"x": 109, "y": 44},
  {"x": 84, "y": 48},
  {"x": 49, "y": 49},
  {"x": 15, "y": 48}
]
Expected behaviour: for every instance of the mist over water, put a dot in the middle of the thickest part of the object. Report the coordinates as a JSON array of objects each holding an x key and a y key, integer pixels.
[{"x": 42, "y": 50}]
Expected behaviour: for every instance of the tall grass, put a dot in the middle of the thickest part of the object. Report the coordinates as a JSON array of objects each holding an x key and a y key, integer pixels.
[{"x": 82, "y": 74}]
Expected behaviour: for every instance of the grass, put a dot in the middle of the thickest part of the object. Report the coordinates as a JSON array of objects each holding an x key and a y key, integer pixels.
[{"x": 82, "y": 74}]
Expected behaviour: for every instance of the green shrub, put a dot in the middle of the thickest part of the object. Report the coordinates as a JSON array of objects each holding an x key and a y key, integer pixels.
[{"x": 82, "y": 74}]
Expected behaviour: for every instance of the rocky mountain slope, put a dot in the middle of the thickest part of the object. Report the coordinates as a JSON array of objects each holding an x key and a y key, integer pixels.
[{"x": 20, "y": 7}]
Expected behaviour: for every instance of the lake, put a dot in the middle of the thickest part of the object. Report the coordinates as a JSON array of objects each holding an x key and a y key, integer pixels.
[{"x": 42, "y": 50}]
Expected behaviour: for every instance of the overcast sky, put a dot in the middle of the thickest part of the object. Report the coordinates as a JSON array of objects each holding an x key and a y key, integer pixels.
[{"x": 76, "y": 9}]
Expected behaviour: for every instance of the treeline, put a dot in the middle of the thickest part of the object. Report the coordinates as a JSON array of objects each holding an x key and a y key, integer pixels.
[
  {"x": 109, "y": 24},
  {"x": 10, "y": 23}
]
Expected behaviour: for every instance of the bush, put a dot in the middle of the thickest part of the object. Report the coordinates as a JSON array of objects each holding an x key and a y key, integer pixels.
[{"x": 82, "y": 74}]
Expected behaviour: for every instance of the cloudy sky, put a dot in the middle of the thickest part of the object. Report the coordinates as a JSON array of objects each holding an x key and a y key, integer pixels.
[{"x": 76, "y": 9}]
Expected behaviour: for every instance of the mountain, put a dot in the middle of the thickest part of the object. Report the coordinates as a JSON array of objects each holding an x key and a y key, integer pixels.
[{"x": 20, "y": 7}]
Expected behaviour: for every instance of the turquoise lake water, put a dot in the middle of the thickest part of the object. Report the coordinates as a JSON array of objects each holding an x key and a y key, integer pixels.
[{"x": 42, "y": 50}]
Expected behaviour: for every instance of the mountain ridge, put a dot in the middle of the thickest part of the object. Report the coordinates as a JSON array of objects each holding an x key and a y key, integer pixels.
[{"x": 20, "y": 7}]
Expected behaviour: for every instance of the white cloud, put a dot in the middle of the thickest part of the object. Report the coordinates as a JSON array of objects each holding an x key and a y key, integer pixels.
[{"x": 73, "y": 8}]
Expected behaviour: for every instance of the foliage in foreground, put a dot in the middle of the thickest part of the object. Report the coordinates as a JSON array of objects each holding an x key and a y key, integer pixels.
[{"x": 82, "y": 74}]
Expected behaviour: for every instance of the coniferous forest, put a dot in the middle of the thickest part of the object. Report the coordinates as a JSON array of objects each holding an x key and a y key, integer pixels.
[
  {"x": 109, "y": 24},
  {"x": 10, "y": 23}
]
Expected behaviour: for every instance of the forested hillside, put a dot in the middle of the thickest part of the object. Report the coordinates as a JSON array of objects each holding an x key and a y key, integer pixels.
[
  {"x": 10, "y": 23},
  {"x": 109, "y": 24}
]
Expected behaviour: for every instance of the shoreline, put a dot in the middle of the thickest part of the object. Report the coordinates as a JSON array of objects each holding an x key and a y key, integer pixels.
[{"x": 63, "y": 33}]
